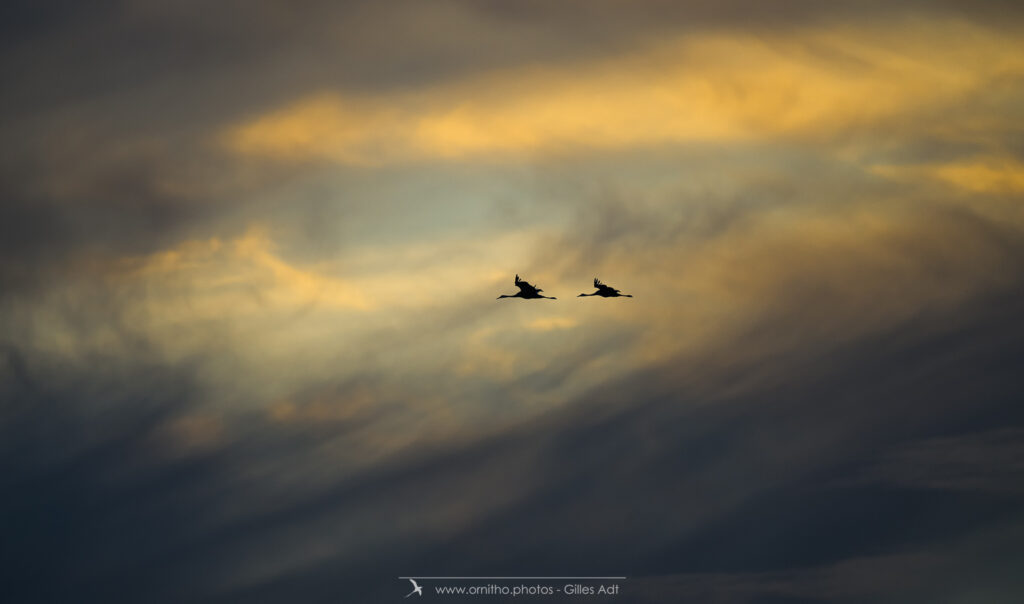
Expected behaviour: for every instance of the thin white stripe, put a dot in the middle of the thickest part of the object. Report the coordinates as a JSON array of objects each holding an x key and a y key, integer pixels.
[{"x": 510, "y": 578}]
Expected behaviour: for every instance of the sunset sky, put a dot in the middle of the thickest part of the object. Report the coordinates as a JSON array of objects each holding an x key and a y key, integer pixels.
[{"x": 250, "y": 349}]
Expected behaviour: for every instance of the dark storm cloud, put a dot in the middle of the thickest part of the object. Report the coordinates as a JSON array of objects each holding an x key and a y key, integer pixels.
[
  {"x": 72, "y": 480},
  {"x": 986, "y": 556},
  {"x": 976, "y": 461},
  {"x": 241, "y": 56},
  {"x": 122, "y": 211}
]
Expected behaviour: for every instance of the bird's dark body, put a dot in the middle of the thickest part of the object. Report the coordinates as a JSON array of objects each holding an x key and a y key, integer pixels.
[
  {"x": 605, "y": 291},
  {"x": 526, "y": 291}
]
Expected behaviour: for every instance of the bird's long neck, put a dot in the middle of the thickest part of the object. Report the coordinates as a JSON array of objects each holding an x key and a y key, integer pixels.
[{"x": 593, "y": 294}]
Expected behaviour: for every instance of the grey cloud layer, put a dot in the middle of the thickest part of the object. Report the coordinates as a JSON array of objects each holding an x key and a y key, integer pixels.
[
  {"x": 852, "y": 409},
  {"x": 714, "y": 465}
]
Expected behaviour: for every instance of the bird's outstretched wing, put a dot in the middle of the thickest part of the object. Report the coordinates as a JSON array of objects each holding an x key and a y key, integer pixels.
[
  {"x": 525, "y": 287},
  {"x": 604, "y": 289}
]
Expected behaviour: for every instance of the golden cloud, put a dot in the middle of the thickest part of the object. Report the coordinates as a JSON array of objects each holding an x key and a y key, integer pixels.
[
  {"x": 250, "y": 262},
  {"x": 703, "y": 87},
  {"x": 996, "y": 175},
  {"x": 552, "y": 323},
  {"x": 189, "y": 434}
]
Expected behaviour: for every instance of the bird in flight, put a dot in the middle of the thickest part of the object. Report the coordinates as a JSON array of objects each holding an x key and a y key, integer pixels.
[
  {"x": 526, "y": 291},
  {"x": 416, "y": 589},
  {"x": 605, "y": 291}
]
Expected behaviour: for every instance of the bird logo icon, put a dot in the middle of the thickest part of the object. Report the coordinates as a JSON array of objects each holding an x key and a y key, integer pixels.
[{"x": 416, "y": 589}]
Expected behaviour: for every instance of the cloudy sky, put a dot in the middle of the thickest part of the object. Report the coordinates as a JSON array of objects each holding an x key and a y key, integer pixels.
[{"x": 250, "y": 349}]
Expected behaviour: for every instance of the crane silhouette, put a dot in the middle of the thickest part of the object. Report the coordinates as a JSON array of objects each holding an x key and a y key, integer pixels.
[
  {"x": 526, "y": 291},
  {"x": 605, "y": 291}
]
